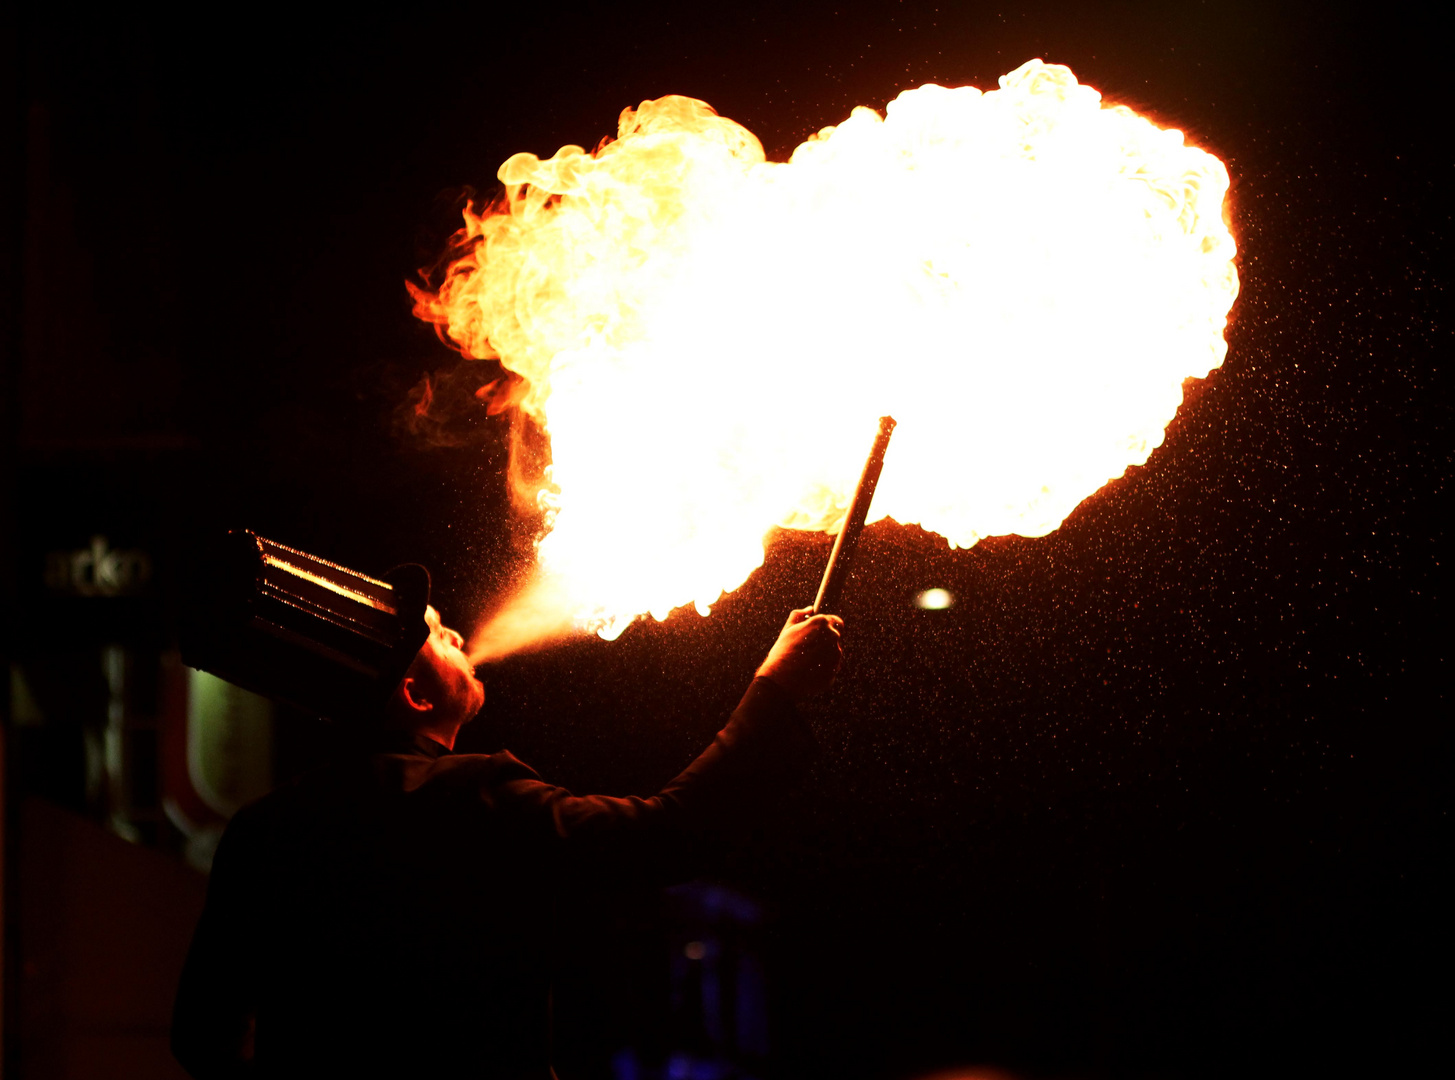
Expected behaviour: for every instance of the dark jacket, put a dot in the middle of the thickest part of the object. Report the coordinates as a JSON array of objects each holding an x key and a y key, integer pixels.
[{"x": 391, "y": 914}]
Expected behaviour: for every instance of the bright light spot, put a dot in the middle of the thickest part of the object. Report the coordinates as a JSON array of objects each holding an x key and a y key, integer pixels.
[{"x": 934, "y": 599}]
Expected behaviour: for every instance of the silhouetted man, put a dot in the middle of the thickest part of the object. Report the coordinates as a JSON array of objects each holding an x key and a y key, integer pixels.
[{"x": 391, "y": 913}]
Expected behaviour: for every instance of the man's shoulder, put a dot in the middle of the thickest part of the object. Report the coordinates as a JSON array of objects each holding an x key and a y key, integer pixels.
[
  {"x": 348, "y": 781},
  {"x": 345, "y": 795},
  {"x": 500, "y": 765},
  {"x": 482, "y": 776}
]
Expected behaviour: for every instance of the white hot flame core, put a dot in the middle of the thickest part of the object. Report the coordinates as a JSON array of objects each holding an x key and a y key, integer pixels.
[{"x": 1022, "y": 278}]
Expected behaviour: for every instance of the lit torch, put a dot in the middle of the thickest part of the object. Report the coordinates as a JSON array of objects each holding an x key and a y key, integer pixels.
[{"x": 837, "y": 571}]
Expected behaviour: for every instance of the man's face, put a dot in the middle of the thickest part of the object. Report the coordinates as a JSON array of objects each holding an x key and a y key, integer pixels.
[{"x": 461, "y": 692}]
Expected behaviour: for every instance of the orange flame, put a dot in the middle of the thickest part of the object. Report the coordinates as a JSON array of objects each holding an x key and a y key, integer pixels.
[{"x": 1024, "y": 278}]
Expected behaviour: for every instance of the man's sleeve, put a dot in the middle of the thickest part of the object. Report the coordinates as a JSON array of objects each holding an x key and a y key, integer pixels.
[
  {"x": 213, "y": 1014},
  {"x": 735, "y": 783}
]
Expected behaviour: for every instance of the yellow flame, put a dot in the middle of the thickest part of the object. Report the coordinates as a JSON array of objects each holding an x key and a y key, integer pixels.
[{"x": 1023, "y": 278}]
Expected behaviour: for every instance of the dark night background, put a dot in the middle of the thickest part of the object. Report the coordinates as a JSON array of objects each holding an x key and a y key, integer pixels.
[{"x": 1162, "y": 795}]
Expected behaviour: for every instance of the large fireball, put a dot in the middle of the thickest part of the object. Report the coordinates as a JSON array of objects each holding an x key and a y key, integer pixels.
[{"x": 1023, "y": 278}]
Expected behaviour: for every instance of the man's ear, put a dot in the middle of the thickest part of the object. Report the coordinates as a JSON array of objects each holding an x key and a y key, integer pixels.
[{"x": 413, "y": 696}]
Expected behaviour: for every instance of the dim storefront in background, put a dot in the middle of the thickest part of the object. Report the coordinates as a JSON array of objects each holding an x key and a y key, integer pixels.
[
  {"x": 124, "y": 767},
  {"x": 108, "y": 721}
]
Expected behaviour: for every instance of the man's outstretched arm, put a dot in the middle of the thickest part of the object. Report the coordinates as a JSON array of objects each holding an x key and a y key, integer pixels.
[{"x": 734, "y": 782}]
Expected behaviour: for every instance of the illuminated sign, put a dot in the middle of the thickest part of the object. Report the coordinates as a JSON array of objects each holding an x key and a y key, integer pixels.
[{"x": 98, "y": 570}]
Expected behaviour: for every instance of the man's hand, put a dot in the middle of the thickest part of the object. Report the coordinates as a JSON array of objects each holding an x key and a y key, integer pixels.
[{"x": 807, "y": 654}]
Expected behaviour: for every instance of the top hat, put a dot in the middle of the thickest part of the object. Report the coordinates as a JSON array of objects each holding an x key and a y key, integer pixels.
[{"x": 300, "y": 629}]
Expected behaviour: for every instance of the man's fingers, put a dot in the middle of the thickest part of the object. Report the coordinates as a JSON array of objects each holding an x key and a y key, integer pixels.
[
  {"x": 807, "y": 654},
  {"x": 823, "y": 640},
  {"x": 826, "y": 624},
  {"x": 802, "y": 615}
]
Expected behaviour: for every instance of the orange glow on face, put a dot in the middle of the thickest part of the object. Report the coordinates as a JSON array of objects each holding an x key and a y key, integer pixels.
[{"x": 1022, "y": 278}]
